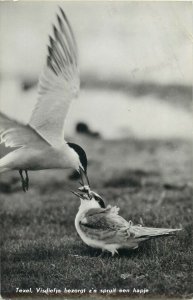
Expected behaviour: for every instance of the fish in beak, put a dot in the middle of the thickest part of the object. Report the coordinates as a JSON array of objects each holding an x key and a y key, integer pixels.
[
  {"x": 83, "y": 176},
  {"x": 85, "y": 193}
]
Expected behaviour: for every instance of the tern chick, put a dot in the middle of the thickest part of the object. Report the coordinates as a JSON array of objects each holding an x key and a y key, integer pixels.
[{"x": 102, "y": 227}]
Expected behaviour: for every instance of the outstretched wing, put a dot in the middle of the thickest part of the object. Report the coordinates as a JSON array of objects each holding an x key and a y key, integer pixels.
[
  {"x": 14, "y": 134},
  {"x": 105, "y": 225},
  {"x": 58, "y": 84}
]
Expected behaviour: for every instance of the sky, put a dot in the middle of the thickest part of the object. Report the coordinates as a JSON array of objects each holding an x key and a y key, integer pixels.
[
  {"x": 143, "y": 41},
  {"x": 130, "y": 42}
]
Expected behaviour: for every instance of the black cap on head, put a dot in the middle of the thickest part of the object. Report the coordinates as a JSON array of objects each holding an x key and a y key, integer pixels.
[
  {"x": 99, "y": 200},
  {"x": 81, "y": 153}
]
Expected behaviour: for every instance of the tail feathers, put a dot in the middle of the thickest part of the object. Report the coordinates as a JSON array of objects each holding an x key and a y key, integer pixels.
[{"x": 148, "y": 232}]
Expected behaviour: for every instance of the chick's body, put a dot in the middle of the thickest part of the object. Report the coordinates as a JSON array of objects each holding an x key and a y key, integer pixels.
[{"x": 104, "y": 228}]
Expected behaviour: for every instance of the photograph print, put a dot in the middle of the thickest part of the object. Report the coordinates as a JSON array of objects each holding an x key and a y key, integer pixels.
[{"x": 96, "y": 149}]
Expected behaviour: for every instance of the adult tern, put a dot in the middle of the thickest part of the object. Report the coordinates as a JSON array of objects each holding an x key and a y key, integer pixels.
[
  {"x": 40, "y": 144},
  {"x": 102, "y": 227}
]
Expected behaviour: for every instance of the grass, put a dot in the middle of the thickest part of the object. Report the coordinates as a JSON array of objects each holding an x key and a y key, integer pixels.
[{"x": 150, "y": 181}]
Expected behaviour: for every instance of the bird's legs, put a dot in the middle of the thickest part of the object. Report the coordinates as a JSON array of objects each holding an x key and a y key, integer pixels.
[
  {"x": 25, "y": 182},
  {"x": 102, "y": 254},
  {"x": 22, "y": 180},
  {"x": 113, "y": 251}
]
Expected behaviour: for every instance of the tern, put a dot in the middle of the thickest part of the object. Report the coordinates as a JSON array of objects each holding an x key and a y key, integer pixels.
[
  {"x": 40, "y": 144},
  {"x": 102, "y": 227}
]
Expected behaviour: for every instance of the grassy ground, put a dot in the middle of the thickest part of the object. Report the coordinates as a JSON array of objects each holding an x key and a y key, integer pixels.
[{"x": 149, "y": 181}]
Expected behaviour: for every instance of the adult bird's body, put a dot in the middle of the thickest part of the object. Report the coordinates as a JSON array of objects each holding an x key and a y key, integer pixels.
[
  {"x": 102, "y": 227},
  {"x": 40, "y": 144}
]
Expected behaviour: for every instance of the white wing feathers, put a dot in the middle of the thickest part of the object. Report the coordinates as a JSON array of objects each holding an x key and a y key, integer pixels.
[
  {"x": 14, "y": 134},
  {"x": 58, "y": 84}
]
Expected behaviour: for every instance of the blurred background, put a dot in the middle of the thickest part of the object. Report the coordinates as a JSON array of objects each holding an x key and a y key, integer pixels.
[
  {"x": 133, "y": 118},
  {"x": 134, "y": 112},
  {"x": 135, "y": 65}
]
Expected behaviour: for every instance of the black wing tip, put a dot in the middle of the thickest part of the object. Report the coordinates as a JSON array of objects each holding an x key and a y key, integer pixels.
[
  {"x": 62, "y": 12},
  {"x": 54, "y": 27},
  {"x": 51, "y": 40},
  {"x": 48, "y": 60},
  {"x": 55, "y": 32},
  {"x": 50, "y": 51},
  {"x": 61, "y": 30},
  {"x": 49, "y": 64},
  {"x": 59, "y": 19}
]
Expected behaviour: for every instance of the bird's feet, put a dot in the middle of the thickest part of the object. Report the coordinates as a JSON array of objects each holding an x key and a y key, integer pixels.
[
  {"x": 114, "y": 251},
  {"x": 26, "y": 180}
]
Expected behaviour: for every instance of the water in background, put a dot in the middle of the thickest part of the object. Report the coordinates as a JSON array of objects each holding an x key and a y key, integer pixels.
[{"x": 135, "y": 63}]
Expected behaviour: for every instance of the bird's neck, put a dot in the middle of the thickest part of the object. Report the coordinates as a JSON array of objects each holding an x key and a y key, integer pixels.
[
  {"x": 70, "y": 157},
  {"x": 86, "y": 205}
]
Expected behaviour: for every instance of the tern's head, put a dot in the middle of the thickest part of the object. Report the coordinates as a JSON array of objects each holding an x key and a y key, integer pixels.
[
  {"x": 80, "y": 164},
  {"x": 91, "y": 200},
  {"x": 98, "y": 199}
]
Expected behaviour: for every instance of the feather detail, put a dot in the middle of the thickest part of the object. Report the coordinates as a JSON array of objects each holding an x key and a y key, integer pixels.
[
  {"x": 104, "y": 228},
  {"x": 58, "y": 84},
  {"x": 14, "y": 134}
]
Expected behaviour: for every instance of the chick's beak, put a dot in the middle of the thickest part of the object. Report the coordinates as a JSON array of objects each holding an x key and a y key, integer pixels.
[{"x": 79, "y": 195}]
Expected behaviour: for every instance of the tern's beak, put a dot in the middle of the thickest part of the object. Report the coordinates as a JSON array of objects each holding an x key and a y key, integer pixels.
[
  {"x": 83, "y": 175},
  {"x": 82, "y": 197}
]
